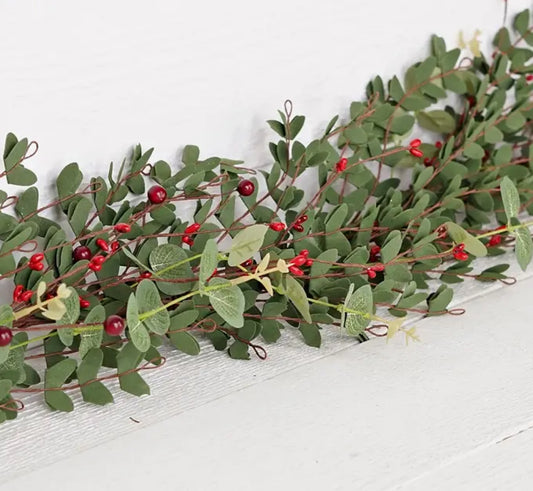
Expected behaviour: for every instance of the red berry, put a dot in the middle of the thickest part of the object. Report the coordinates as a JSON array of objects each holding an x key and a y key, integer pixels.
[
  {"x": 17, "y": 292},
  {"x": 459, "y": 247},
  {"x": 37, "y": 258},
  {"x": 494, "y": 240},
  {"x": 298, "y": 228},
  {"x": 298, "y": 261},
  {"x": 375, "y": 250},
  {"x": 295, "y": 271},
  {"x": 37, "y": 266},
  {"x": 187, "y": 240},
  {"x": 157, "y": 194},
  {"x": 304, "y": 252},
  {"x": 98, "y": 259},
  {"x": 192, "y": 228},
  {"x": 246, "y": 187},
  {"x": 341, "y": 165},
  {"x": 415, "y": 143},
  {"x": 122, "y": 228},
  {"x": 25, "y": 296},
  {"x": 277, "y": 226},
  {"x": 371, "y": 273},
  {"x": 471, "y": 100},
  {"x": 247, "y": 263},
  {"x": 95, "y": 267},
  {"x": 84, "y": 303},
  {"x": 5, "y": 336},
  {"x": 114, "y": 325},
  {"x": 415, "y": 152},
  {"x": 460, "y": 255},
  {"x": 81, "y": 253},
  {"x": 302, "y": 219},
  {"x": 438, "y": 144},
  {"x": 529, "y": 77},
  {"x": 102, "y": 244},
  {"x": 427, "y": 162},
  {"x": 115, "y": 245},
  {"x": 378, "y": 267},
  {"x": 309, "y": 262},
  {"x": 145, "y": 275}
]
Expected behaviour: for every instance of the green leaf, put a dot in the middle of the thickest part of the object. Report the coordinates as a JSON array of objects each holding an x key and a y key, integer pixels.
[
  {"x": 493, "y": 135},
  {"x": 360, "y": 301},
  {"x": 185, "y": 342},
  {"x": 27, "y": 202},
  {"x": 78, "y": 213},
  {"x": 228, "y": 301},
  {"x": 71, "y": 316},
  {"x": 246, "y": 243},
  {"x": 473, "y": 151},
  {"x": 523, "y": 247},
  {"x": 148, "y": 300},
  {"x": 437, "y": 120},
  {"x": 392, "y": 246},
  {"x": 55, "y": 377},
  {"x": 138, "y": 333},
  {"x": 209, "y": 260},
  {"x": 94, "y": 392},
  {"x": 68, "y": 181},
  {"x": 510, "y": 198},
  {"x": 296, "y": 294},
  {"x": 127, "y": 360},
  {"x": 170, "y": 262},
  {"x": 521, "y": 22},
  {"x": 460, "y": 235},
  {"x": 311, "y": 334},
  {"x": 92, "y": 338},
  {"x": 14, "y": 153}
]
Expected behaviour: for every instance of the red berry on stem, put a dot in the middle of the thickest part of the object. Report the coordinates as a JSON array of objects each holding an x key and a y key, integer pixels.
[
  {"x": 246, "y": 187},
  {"x": 302, "y": 219},
  {"x": 5, "y": 336},
  {"x": 98, "y": 259},
  {"x": 17, "y": 292},
  {"x": 438, "y": 144},
  {"x": 277, "y": 226},
  {"x": 415, "y": 143},
  {"x": 192, "y": 228},
  {"x": 102, "y": 244},
  {"x": 415, "y": 152},
  {"x": 371, "y": 273},
  {"x": 494, "y": 240},
  {"x": 304, "y": 252},
  {"x": 115, "y": 245},
  {"x": 37, "y": 266},
  {"x": 298, "y": 261},
  {"x": 309, "y": 262},
  {"x": 25, "y": 296},
  {"x": 37, "y": 258},
  {"x": 295, "y": 271},
  {"x": 378, "y": 267},
  {"x": 81, "y": 252},
  {"x": 529, "y": 77},
  {"x": 186, "y": 239},
  {"x": 114, "y": 325},
  {"x": 460, "y": 256},
  {"x": 95, "y": 267},
  {"x": 84, "y": 303},
  {"x": 157, "y": 194},
  {"x": 298, "y": 228},
  {"x": 341, "y": 165},
  {"x": 122, "y": 228},
  {"x": 145, "y": 275}
]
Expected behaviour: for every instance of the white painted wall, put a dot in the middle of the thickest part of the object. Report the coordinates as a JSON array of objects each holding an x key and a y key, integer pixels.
[{"x": 87, "y": 80}]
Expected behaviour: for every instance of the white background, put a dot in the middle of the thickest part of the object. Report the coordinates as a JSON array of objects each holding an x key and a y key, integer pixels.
[{"x": 89, "y": 80}]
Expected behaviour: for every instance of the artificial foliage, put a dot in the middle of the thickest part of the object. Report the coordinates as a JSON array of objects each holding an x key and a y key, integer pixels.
[{"x": 427, "y": 173}]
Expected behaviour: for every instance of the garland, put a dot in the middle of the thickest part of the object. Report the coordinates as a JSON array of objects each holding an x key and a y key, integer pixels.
[{"x": 96, "y": 299}]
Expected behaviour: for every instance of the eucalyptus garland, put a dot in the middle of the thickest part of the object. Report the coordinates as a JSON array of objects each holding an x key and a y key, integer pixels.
[{"x": 425, "y": 175}]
